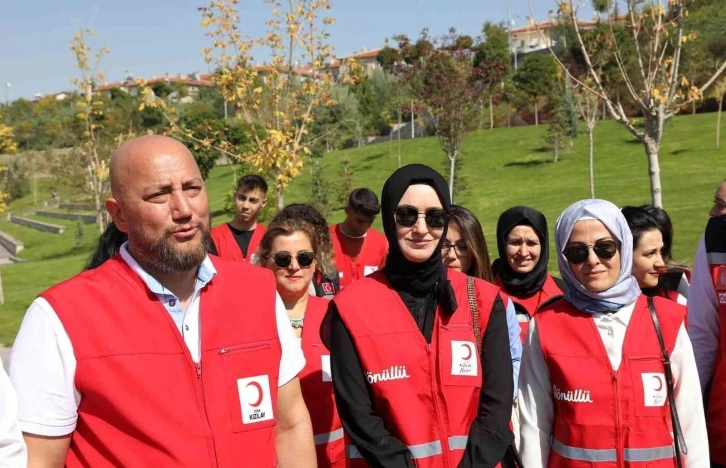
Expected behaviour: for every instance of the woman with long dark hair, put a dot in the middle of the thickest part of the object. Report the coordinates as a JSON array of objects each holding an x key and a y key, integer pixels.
[
  {"x": 608, "y": 374},
  {"x": 419, "y": 353},
  {"x": 653, "y": 265},
  {"x": 521, "y": 269},
  {"x": 466, "y": 250}
]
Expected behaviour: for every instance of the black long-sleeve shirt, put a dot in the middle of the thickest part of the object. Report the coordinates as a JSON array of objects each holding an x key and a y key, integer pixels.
[{"x": 489, "y": 435}]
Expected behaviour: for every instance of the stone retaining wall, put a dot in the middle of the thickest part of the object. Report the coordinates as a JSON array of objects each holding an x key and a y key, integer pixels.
[
  {"x": 11, "y": 245},
  {"x": 69, "y": 216},
  {"x": 39, "y": 225}
]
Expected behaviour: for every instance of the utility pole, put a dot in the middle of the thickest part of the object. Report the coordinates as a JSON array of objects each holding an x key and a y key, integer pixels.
[{"x": 512, "y": 47}]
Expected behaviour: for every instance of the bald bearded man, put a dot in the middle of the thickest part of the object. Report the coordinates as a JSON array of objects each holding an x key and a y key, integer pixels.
[{"x": 161, "y": 356}]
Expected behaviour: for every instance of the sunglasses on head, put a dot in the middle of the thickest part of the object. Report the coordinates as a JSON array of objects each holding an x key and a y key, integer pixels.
[
  {"x": 284, "y": 259},
  {"x": 578, "y": 252},
  {"x": 407, "y": 216}
]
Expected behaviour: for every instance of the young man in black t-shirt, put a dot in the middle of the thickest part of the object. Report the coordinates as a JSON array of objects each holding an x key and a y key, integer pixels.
[{"x": 239, "y": 238}]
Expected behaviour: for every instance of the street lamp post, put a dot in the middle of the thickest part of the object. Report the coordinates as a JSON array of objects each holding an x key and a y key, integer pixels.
[{"x": 7, "y": 93}]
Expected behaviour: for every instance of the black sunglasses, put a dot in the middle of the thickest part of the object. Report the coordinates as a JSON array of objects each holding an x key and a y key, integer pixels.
[
  {"x": 284, "y": 259},
  {"x": 577, "y": 253},
  {"x": 407, "y": 216}
]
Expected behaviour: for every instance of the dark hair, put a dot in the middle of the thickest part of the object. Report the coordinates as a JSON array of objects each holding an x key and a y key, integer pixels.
[
  {"x": 664, "y": 226},
  {"x": 639, "y": 221},
  {"x": 325, "y": 251},
  {"x": 108, "y": 246},
  {"x": 364, "y": 201},
  {"x": 473, "y": 236},
  {"x": 251, "y": 182}
]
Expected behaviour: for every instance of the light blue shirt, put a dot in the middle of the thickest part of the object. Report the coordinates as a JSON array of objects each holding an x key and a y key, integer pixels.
[
  {"x": 515, "y": 343},
  {"x": 204, "y": 275}
]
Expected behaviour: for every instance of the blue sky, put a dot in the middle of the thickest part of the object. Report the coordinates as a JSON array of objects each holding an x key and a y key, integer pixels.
[{"x": 152, "y": 37}]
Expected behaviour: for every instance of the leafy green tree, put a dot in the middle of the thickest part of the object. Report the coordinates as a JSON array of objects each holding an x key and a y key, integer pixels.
[{"x": 536, "y": 77}]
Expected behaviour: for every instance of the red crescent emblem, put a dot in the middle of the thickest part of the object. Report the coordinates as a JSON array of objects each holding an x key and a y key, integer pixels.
[
  {"x": 660, "y": 383},
  {"x": 468, "y": 348},
  {"x": 259, "y": 394}
]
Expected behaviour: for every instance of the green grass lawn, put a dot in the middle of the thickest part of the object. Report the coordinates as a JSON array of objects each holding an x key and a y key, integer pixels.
[{"x": 505, "y": 167}]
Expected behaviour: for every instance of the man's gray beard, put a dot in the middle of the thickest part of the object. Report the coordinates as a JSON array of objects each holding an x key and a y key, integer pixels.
[{"x": 161, "y": 256}]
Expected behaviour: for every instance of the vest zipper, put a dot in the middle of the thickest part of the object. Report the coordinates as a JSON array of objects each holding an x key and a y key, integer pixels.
[
  {"x": 443, "y": 434},
  {"x": 618, "y": 451},
  {"x": 203, "y": 407}
]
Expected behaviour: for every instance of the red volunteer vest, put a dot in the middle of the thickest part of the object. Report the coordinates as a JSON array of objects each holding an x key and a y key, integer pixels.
[
  {"x": 371, "y": 257},
  {"x": 608, "y": 418},
  {"x": 145, "y": 402},
  {"x": 426, "y": 395},
  {"x": 716, "y": 411},
  {"x": 317, "y": 388},
  {"x": 227, "y": 246},
  {"x": 528, "y": 306}
]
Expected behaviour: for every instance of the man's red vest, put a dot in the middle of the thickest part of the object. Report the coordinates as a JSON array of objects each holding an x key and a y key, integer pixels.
[
  {"x": 144, "y": 400},
  {"x": 427, "y": 396},
  {"x": 371, "y": 257},
  {"x": 603, "y": 417},
  {"x": 317, "y": 389},
  {"x": 716, "y": 409},
  {"x": 527, "y": 307},
  {"x": 227, "y": 246}
]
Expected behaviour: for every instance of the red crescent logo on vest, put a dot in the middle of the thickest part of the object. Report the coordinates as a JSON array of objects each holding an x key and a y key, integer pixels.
[
  {"x": 259, "y": 394},
  {"x": 468, "y": 348},
  {"x": 660, "y": 383}
]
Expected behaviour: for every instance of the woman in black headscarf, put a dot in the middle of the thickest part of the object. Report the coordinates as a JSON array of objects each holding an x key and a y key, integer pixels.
[
  {"x": 404, "y": 346},
  {"x": 521, "y": 269}
]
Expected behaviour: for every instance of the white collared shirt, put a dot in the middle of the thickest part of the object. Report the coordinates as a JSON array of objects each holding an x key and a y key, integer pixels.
[
  {"x": 536, "y": 404},
  {"x": 43, "y": 365},
  {"x": 13, "y": 452}
]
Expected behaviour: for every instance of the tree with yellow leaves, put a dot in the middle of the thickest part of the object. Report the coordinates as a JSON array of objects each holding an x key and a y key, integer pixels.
[
  {"x": 7, "y": 145},
  {"x": 90, "y": 110},
  {"x": 655, "y": 30},
  {"x": 277, "y": 100}
]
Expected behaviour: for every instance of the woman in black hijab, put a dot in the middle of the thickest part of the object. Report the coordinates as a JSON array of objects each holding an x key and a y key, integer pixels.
[
  {"x": 404, "y": 344},
  {"x": 521, "y": 269}
]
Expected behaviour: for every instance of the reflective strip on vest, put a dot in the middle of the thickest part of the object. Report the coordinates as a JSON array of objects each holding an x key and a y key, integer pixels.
[
  {"x": 426, "y": 450},
  {"x": 610, "y": 455},
  {"x": 328, "y": 437},
  {"x": 583, "y": 454},
  {"x": 458, "y": 442},
  {"x": 649, "y": 454},
  {"x": 716, "y": 258}
]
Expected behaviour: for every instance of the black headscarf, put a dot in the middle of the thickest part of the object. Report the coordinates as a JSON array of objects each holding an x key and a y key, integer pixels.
[
  {"x": 518, "y": 284},
  {"x": 404, "y": 274}
]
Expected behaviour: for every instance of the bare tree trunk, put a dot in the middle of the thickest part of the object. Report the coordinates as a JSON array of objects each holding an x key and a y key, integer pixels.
[
  {"x": 481, "y": 114},
  {"x": 591, "y": 137},
  {"x": 509, "y": 115},
  {"x": 491, "y": 112},
  {"x": 651, "y": 140},
  {"x": 604, "y": 110},
  {"x": 400, "y": 126},
  {"x": 536, "y": 113},
  {"x": 280, "y": 198},
  {"x": 557, "y": 148},
  {"x": 390, "y": 143},
  {"x": 718, "y": 122},
  {"x": 452, "y": 162},
  {"x": 413, "y": 122},
  {"x": 2, "y": 296},
  {"x": 693, "y": 107}
]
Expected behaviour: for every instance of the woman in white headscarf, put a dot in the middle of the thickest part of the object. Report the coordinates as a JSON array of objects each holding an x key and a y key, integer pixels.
[{"x": 594, "y": 389}]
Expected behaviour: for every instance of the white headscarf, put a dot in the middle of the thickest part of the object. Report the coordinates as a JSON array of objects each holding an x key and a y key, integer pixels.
[{"x": 626, "y": 290}]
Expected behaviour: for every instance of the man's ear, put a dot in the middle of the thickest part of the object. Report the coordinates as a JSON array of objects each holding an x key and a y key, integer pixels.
[
  {"x": 117, "y": 213},
  {"x": 264, "y": 203},
  {"x": 348, "y": 210}
]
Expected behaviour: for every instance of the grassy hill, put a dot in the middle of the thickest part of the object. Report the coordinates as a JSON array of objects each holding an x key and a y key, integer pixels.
[{"x": 504, "y": 167}]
